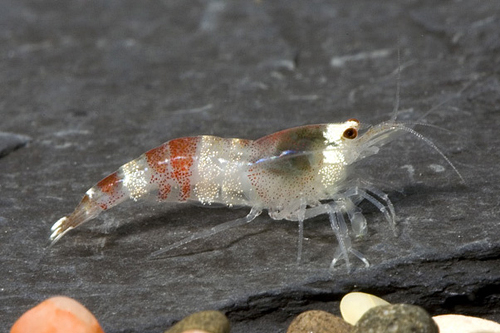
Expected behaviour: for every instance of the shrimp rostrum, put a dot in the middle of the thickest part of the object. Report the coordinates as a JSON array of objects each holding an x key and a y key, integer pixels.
[{"x": 294, "y": 174}]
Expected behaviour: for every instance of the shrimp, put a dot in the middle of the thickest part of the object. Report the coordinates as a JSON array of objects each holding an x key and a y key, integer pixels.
[{"x": 294, "y": 174}]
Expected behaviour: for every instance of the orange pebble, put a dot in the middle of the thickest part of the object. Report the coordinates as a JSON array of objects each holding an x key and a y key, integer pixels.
[{"x": 58, "y": 314}]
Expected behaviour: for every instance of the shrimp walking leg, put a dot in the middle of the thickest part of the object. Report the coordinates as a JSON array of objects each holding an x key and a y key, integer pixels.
[
  {"x": 339, "y": 226},
  {"x": 387, "y": 209},
  {"x": 346, "y": 203},
  {"x": 336, "y": 210},
  {"x": 210, "y": 232},
  {"x": 384, "y": 205},
  {"x": 358, "y": 220},
  {"x": 301, "y": 218},
  {"x": 389, "y": 215}
]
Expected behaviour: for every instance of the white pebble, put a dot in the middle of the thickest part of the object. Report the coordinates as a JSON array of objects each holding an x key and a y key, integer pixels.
[
  {"x": 354, "y": 305},
  {"x": 464, "y": 324}
]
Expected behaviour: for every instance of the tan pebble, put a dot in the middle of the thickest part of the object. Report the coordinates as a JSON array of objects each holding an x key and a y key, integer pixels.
[
  {"x": 202, "y": 322},
  {"x": 464, "y": 324},
  {"x": 58, "y": 314},
  {"x": 354, "y": 305},
  {"x": 318, "y": 322}
]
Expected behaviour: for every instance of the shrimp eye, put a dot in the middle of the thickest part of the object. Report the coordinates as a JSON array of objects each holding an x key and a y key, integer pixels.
[{"x": 350, "y": 133}]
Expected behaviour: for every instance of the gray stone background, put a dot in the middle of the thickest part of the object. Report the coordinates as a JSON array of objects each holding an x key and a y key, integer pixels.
[{"x": 94, "y": 84}]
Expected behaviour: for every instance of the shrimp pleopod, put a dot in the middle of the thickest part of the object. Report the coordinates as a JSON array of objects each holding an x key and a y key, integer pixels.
[{"x": 294, "y": 174}]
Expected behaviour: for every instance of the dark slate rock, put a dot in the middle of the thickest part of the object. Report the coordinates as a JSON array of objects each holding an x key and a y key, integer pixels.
[
  {"x": 396, "y": 318},
  {"x": 10, "y": 142},
  {"x": 97, "y": 83}
]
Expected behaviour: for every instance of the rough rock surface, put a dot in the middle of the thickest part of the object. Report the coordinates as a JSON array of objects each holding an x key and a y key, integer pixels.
[
  {"x": 396, "y": 318},
  {"x": 319, "y": 322},
  {"x": 97, "y": 83},
  {"x": 11, "y": 141},
  {"x": 206, "y": 321}
]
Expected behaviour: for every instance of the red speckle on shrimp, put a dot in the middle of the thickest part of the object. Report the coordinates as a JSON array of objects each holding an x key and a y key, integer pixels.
[
  {"x": 172, "y": 163},
  {"x": 164, "y": 191},
  {"x": 158, "y": 157},
  {"x": 110, "y": 191},
  {"x": 182, "y": 154},
  {"x": 108, "y": 185}
]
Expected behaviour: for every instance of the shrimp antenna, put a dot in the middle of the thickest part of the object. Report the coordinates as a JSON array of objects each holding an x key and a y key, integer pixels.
[
  {"x": 254, "y": 212},
  {"x": 433, "y": 146},
  {"x": 455, "y": 95}
]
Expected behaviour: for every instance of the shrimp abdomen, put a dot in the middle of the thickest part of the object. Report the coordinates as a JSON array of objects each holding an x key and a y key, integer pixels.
[
  {"x": 164, "y": 171},
  {"x": 207, "y": 169}
]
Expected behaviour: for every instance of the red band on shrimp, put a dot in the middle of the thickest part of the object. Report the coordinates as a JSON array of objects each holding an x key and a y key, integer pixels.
[
  {"x": 157, "y": 158},
  {"x": 109, "y": 184},
  {"x": 182, "y": 153}
]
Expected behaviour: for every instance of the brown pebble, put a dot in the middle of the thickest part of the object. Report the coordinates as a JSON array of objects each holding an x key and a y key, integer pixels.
[
  {"x": 396, "y": 318},
  {"x": 318, "y": 322},
  {"x": 202, "y": 322}
]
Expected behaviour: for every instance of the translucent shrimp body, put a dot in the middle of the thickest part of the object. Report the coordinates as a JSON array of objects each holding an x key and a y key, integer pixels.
[{"x": 294, "y": 174}]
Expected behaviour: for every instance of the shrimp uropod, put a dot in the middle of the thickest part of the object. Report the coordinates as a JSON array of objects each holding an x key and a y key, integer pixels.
[{"x": 294, "y": 174}]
